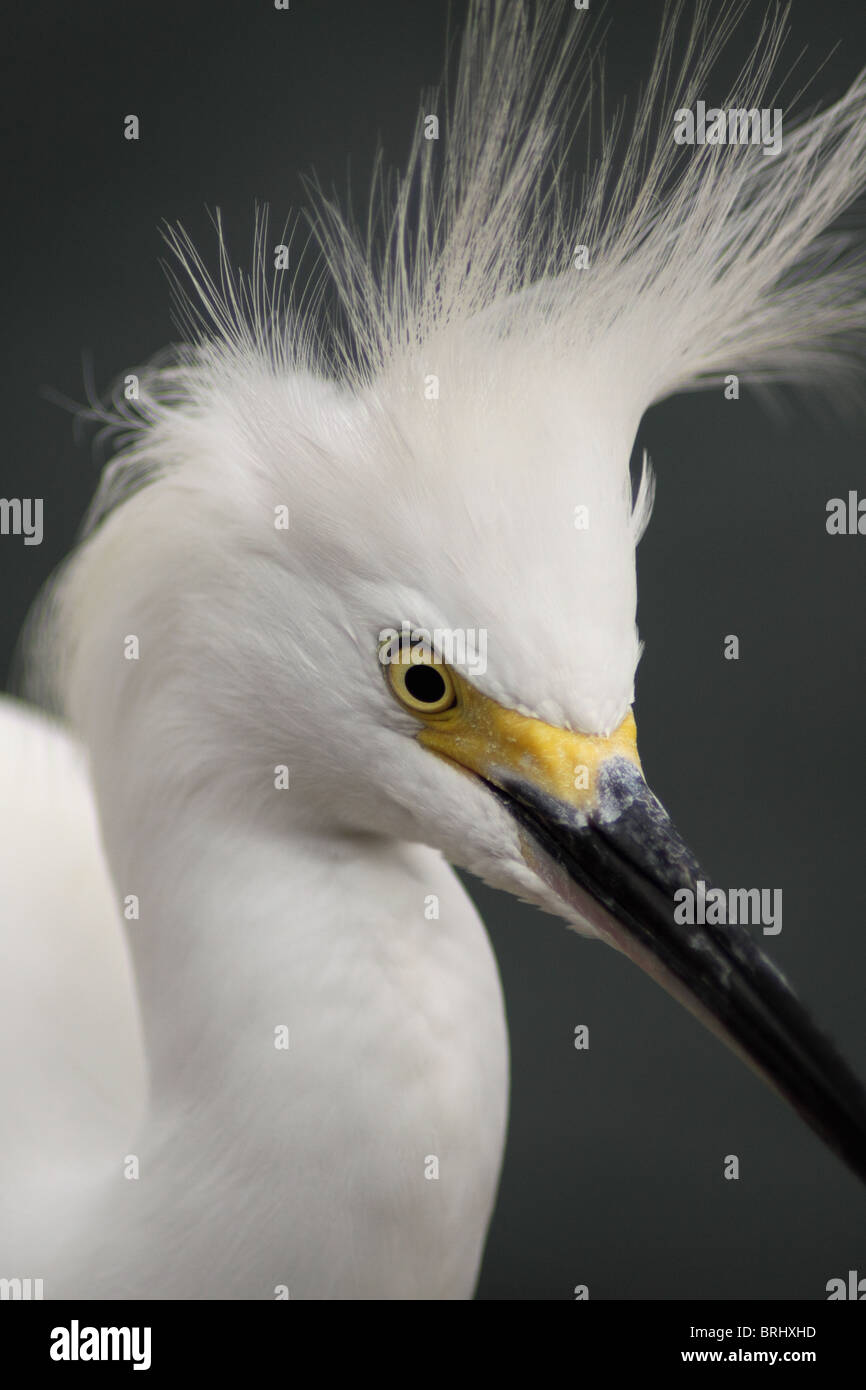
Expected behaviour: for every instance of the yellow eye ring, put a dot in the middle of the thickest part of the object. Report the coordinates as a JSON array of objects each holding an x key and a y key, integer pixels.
[{"x": 422, "y": 685}]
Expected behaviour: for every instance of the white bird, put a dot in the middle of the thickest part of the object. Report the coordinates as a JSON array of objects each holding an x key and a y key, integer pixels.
[{"x": 259, "y": 785}]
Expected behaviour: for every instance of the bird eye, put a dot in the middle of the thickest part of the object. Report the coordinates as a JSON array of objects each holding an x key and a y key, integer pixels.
[{"x": 419, "y": 683}]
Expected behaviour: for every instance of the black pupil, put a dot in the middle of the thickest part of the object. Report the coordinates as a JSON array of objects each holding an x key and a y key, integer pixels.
[{"x": 425, "y": 684}]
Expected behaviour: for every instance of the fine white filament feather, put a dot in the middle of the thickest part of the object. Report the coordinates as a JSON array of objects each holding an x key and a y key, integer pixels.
[{"x": 702, "y": 259}]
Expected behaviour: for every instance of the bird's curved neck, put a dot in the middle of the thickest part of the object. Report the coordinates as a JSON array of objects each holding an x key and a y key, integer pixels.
[
  {"x": 322, "y": 1013},
  {"x": 235, "y": 933}
]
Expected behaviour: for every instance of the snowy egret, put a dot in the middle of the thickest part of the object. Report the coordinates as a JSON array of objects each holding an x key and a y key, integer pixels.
[{"x": 279, "y": 717}]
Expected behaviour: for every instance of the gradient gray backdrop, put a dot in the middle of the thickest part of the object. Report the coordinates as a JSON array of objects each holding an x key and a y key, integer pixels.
[{"x": 613, "y": 1174}]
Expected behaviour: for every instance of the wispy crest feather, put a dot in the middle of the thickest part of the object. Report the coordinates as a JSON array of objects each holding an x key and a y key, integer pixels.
[
  {"x": 702, "y": 260},
  {"x": 709, "y": 258}
]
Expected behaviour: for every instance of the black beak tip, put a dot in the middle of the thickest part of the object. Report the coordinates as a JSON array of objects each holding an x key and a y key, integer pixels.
[{"x": 627, "y": 855}]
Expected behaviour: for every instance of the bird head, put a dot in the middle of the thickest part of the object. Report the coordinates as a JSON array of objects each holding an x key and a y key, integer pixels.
[
  {"x": 388, "y": 597},
  {"x": 411, "y": 583}
]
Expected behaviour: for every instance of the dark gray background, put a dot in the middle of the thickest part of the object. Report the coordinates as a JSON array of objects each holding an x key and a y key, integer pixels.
[{"x": 613, "y": 1174}]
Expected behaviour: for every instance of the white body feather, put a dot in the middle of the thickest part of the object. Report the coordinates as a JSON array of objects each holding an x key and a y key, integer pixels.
[
  {"x": 74, "y": 1079},
  {"x": 257, "y": 1166}
]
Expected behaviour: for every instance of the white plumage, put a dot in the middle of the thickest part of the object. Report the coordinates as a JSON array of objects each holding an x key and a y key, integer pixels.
[{"x": 257, "y": 648}]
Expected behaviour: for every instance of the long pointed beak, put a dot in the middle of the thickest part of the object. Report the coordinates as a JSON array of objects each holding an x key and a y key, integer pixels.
[
  {"x": 604, "y": 833},
  {"x": 627, "y": 856}
]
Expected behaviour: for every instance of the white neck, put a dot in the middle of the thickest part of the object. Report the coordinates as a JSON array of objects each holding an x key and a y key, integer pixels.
[{"x": 306, "y": 1167}]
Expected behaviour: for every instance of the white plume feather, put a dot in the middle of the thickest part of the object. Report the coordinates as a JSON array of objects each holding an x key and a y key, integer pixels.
[{"x": 702, "y": 259}]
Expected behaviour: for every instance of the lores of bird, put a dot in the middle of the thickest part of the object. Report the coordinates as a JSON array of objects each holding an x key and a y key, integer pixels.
[{"x": 278, "y": 733}]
